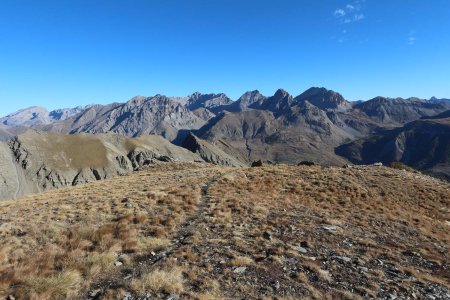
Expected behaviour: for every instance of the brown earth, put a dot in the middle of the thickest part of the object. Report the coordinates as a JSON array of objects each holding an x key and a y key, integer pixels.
[{"x": 198, "y": 231}]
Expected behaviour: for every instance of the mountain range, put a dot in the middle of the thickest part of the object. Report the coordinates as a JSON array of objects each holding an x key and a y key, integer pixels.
[{"x": 318, "y": 125}]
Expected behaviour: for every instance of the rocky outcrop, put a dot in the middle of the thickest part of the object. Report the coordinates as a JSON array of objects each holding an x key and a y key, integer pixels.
[
  {"x": 140, "y": 116},
  {"x": 212, "y": 102},
  {"x": 211, "y": 153},
  {"x": 38, "y": 161}
]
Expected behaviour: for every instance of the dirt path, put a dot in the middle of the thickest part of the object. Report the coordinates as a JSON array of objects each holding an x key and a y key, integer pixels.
[
  {"x": 146, "y": 263},
  {"x": 190, "y": 226}
]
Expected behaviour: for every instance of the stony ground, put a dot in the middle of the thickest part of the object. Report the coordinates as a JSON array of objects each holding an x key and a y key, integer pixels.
[{"x": 196, "y": 231}]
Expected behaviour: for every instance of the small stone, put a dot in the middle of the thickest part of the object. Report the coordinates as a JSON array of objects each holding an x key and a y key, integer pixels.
[
  {"x": 118, "y": 263},
  {"x": 173, "y": 297},
  {"x": 153, "y": 253},
  {"x": 127, "y": 296},
  {"x": 329, "y": 228},
  {"x": 344, "y": 258},
  {"x": 364, "y": 269},
  {"x": 240, "y": 270},
  {"x": 94, "y": 293},
  {"x": 429, "y": 296},
  {"x": 147, "y": 296},
  {"x": 301, "y": 249},
  {"x": 11, "y": 297},
  {"x": 222, "y": 262},
  {"x": 267, "y": 236},
  {"x": 378, "y": 164},
  {"x": 276, "y": 285}
]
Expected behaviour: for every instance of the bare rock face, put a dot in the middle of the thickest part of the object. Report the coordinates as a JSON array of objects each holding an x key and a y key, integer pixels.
[
  {"x": 282, "y": 130},
  {"x": 37, "y": 161},
  {"x": 211, "y": 153},
  {"x": 211, "y": 102},
  {"x": 35, "y": 116},
  {"x": 324, "y": 99},
  {"x": 279, "y": 128},
  {"x": 423, "y": 144},
  {"x": 140, "y": 116},
  {"x": 397, "y": 112},
  {"x": 248, "y": 100}
]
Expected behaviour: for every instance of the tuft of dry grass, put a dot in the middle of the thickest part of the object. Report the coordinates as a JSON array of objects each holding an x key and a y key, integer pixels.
[
  {"x": 149, "y": 244},
  {"x": 168, "y": 281},
  {"x": 279, "y": 231},
  {"x": 61, "y": 286},
  {"x": 241, "y": 261}
]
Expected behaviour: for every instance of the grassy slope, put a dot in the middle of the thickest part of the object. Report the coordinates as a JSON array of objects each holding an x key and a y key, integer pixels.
[{"x": 207, "y": 232}]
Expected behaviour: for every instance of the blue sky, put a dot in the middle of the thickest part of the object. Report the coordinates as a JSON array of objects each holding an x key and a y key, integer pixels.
[{"x": 57, "y": 53}]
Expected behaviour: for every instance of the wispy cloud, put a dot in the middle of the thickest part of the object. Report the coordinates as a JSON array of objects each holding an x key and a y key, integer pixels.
[
  {"x": 412, "y": 38},
  {"x": 354, "y": 18},
  {"x": 352, "y": 12},
  {"x": 339, "y": 13}
]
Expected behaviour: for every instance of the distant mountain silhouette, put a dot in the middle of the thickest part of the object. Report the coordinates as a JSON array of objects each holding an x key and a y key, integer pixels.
[{"x": 280, "y": 128}]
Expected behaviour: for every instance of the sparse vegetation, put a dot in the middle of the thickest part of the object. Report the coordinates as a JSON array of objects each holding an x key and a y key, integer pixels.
[
  {"x": 207, "y": 232},
  {"x": 170, "y": 281}
]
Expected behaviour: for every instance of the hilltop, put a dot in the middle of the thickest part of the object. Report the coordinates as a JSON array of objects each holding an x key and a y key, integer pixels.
[{"x": 198, "y": 231}]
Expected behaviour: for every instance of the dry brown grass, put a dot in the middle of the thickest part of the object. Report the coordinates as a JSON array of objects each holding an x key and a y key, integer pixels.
[
  {"x": 84, "y": 229},
  {"x": 168, "y": 281},
  {"x": 60, "y": 286},
  {"x": 287, "y": 230}
]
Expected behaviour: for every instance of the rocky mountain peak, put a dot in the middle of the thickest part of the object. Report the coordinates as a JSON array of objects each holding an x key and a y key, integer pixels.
[
  {"x": 211, "y": 102},
  {"x": 280, "y": 93},
  {"x": 36, "y": 116},
  {"x": 323, "y": 98},
  {"x": 279, "y": 102}
]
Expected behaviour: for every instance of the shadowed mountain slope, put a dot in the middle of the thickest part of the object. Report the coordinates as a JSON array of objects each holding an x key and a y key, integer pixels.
[{"x": 423, "y": 144}]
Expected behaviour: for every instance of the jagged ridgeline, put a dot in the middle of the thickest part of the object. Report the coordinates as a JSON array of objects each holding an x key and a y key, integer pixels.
[{"x": 318, "y": 125}]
